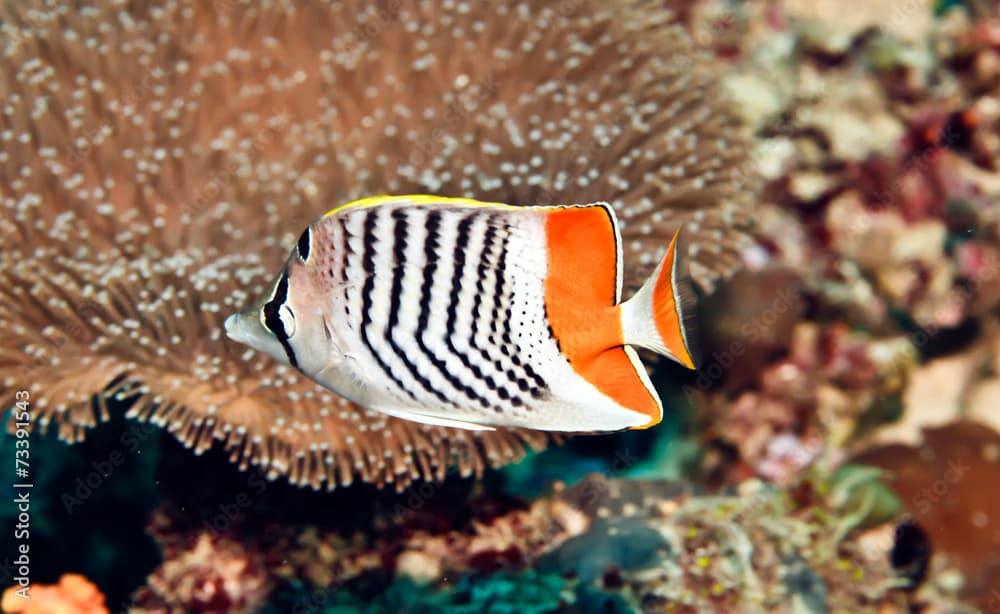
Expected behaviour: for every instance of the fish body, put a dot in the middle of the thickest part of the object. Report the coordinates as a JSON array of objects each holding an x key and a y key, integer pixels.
[{"x": 460, "y": 313}]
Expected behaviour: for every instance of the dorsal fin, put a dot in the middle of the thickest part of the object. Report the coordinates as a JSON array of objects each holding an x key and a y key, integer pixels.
[
  {"x": 414, "y": 199},
  {"x": 585, "y": 249}
]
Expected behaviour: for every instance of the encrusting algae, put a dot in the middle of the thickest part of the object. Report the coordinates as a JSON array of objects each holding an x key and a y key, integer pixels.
[{"x": 157, "y": 159}]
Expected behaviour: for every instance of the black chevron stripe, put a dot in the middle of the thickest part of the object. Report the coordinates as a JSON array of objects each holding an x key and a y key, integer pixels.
[
  {"x": 459, "y": 257},
  {"x": 368, "y": 265},
  {"x": 400, "y": 236},
  {"x": 345, "y": 258},
  {"x": 432, "y": 256},
  {"x": 482, "y": 274}
]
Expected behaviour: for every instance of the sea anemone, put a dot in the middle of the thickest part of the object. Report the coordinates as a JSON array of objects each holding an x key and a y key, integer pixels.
[{"x": 159, "y": 159}]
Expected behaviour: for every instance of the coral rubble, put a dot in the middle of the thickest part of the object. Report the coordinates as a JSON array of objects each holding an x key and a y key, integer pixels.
[{"x": 642, "y": 544}]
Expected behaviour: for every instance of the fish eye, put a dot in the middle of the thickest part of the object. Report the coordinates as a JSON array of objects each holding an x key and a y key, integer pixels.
[
  {"x": 287, "y": 320},
  {"x": 303, "y": 244}
]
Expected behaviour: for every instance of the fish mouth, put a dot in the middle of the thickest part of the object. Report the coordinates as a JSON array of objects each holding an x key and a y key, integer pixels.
[{"x": 232, "y": 326}]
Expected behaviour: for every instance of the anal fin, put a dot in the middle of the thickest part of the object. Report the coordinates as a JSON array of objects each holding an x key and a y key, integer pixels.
[{"x": 618, "y": 373}]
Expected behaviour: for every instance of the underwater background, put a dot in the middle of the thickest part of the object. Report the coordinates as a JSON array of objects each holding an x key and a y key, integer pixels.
[{"x": 836, "y": 163}]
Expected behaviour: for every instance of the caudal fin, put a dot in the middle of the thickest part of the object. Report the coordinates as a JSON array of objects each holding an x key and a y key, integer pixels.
[{"x": 660, "y": 317}]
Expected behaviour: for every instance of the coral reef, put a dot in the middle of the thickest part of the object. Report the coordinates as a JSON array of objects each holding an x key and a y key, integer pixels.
[
  {"x": 879, "y": 238},
  {"x": 640, "y": 544},
  {"x": 73, "y": 594},
  {"x": 140, "y": 209},
  {"x": 866, "y": 324}
]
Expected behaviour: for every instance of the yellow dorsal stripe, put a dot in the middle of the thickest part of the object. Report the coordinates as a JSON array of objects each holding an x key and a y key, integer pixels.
[{"x": 416, "y": 199}]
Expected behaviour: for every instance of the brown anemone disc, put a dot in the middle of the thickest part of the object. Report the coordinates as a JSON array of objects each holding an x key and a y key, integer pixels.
[{"x": 159, "y": 158}]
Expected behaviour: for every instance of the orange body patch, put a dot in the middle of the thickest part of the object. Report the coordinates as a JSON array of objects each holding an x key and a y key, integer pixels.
[{"x": 580, "y": 290}]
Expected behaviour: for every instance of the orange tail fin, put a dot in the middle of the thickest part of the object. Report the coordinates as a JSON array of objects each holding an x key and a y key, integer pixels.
[{"x": 660, "y": 315}]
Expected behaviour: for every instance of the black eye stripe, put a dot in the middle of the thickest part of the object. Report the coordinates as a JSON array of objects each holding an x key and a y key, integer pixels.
[
  {"x": 303, "y": 245},
  {"x": 272, "y": 319}
]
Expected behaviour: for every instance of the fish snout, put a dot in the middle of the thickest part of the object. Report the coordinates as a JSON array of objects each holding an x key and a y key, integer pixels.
[{"x": 234, "y": 328}]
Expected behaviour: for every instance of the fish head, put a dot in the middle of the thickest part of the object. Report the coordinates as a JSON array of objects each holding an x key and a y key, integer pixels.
[{"x": 290, "y": 321}]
